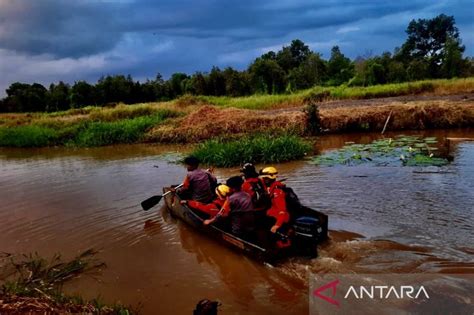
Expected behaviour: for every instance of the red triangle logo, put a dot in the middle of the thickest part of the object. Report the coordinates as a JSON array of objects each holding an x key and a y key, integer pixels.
[{"x": 331, "y": 285}]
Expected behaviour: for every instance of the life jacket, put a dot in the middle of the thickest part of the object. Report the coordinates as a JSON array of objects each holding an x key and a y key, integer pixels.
[
  {"x": 293, "y": 203},
  {"x": 256, "y": 189}
]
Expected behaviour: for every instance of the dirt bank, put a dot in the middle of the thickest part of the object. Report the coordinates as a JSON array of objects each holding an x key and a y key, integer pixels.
[{"x": 414, "y": 112}]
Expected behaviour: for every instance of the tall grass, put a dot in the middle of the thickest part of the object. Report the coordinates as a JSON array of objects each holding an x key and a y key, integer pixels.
[
  {"x": 83, "y": 133},
  {"x": 27, "y": 136},
  {"x": 122, "y": 131},
  {"x": 259, "y": 101},
  {"x": 131, "y": 111},
  {"x": 256, "y": 149},
  {"x": 320, "y": 93}
]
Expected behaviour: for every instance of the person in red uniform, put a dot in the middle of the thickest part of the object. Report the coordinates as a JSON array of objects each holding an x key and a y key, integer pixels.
[
  {"x": 197, "y": 184},
  {"x": 278, "y": 211},
  {"x": 255, "y": 187},
  {"x": 239, "y": 208},
  {"x": 210, "y": 208}
]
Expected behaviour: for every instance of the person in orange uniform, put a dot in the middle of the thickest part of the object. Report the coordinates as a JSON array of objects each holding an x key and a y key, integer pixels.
[
  {"x": 222, "y": 191},
  {"x": 239, "y": 208},
  {"x": 255, "y": 187},
  {"x": 278, "y": 211}
]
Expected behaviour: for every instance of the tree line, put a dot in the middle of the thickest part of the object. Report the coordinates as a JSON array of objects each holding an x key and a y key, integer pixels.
[{"x": 433, "y": 49}]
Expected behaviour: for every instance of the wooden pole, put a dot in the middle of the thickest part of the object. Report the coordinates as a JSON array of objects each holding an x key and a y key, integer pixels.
[{"x": 386, "y": 122}]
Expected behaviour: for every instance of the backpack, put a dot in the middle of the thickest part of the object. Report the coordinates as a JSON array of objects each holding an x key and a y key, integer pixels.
[
  {"x": 260, "y": 198},
  {"x": 293, "y": 203}
]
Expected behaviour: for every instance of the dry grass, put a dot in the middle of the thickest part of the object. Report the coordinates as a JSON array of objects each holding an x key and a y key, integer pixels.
[
  {"x": 414, "y": 115},
  {"x": 210, "y": 122}
]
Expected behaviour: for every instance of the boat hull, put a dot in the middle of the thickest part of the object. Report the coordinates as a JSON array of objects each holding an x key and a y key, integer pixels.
[{"x": 194, "y": 219}]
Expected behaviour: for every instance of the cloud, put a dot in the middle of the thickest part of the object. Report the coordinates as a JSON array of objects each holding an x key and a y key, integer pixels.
[
  {"x": 347, "y": 29},
  {"x": 52, "y": 40}
]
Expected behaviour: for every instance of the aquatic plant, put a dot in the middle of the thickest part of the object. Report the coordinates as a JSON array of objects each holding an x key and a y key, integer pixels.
[
  {"x": 402, "y": 150},
  {"x": 31, "y": 283},
  {"x": 256, "y": 149}
]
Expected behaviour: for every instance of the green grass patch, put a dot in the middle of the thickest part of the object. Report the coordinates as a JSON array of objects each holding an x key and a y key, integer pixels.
[
  {"x": 28, "y": 136},
  {"x": 320, "y": 93},
  {"x": 83, "y": 133},
  {"x": 131, "y": 111},
  {"x": 263, "y": 101},
  {"x": 256, "y": 149},
  {"x": 95, "y": 134}
]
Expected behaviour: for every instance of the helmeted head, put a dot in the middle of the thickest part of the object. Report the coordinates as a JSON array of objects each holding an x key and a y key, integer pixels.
[
  {"x": 191, "y": 162},
  {"x": 248, "y": 169},
  {"x": 269, "y": 174},
  {"x": 222, "y": 191},
  {"x": 235, "y": 182}
]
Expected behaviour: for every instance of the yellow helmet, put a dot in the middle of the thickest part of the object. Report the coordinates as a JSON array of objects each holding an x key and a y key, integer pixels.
[
  {"x": 222, "y": 190},
  {"x": 269, "y": 172}
]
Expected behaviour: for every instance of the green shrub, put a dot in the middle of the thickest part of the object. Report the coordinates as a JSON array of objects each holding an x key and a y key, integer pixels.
[
  {"x": 256, "y": 149},
  {"x": 106, "y": 133},
  {"x": 28, "y": 136}
]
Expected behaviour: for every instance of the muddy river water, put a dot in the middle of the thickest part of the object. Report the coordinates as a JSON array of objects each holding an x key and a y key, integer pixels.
[{"x": 382, "y": 220}]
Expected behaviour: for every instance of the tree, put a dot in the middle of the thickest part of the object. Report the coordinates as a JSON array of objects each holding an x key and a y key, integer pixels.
[
  {"x": 340, "y": 68},
  {"x": 59, "y": 97},
  {"x": 312, "y": 71},
  {"x": 428, "y": 39},
  {"x": 23, "y": 97},
  {"x": 216, "y": 82},
  {"x": 83, "y": 94},
  {"x": 267, "y": 76},
  {"x": 113, "y": 89},
  {"x": 236, "y": 83},
  {"x": 176, "y": 84},
  {"x": 293, "y": 56},
  {"x": 453, "y": 63},
  {"x": 199, "y": 84}
]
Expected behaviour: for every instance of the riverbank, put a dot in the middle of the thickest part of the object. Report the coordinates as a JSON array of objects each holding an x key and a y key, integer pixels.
[
  {"x": 190, "y": 119},
  {"x": 32, "y": 284}
]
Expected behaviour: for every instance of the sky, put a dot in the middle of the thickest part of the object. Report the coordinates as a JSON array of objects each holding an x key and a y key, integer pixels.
[{"x": 49, "y": 41}]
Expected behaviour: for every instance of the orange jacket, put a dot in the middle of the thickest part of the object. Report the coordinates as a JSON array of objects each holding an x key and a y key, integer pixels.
[{"x": 278, "y": 209}]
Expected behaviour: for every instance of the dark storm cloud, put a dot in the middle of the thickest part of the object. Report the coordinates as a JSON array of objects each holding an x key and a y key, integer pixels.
[
  {"x": 61, "y": 28},
  {"x": 79, "y": 28},
  {"x": 52, "y": 40}
]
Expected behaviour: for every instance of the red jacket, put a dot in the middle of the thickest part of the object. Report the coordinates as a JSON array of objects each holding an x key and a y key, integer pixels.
[
  {"x": 211, "y": 208},
  {"x": 247, "y": 186},
  {"x": 278, "y": 209}
]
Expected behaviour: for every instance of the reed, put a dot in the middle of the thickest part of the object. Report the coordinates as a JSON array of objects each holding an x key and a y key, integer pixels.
[{"x": 255, "y": 149}]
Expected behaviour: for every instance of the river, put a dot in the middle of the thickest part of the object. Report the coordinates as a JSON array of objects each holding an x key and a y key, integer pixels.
[{"x": 381, "y": 220}]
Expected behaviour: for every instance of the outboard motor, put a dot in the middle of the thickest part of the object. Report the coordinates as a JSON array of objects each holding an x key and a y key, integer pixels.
[{"x": 308, "y": 233}]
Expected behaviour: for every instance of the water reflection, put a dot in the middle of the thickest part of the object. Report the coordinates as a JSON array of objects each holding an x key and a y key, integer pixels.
[{"x": 388, "y": 219}]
